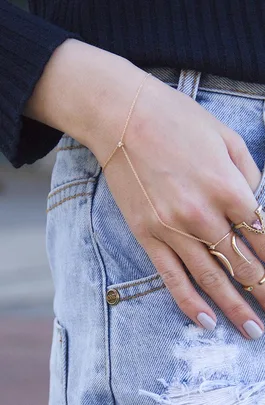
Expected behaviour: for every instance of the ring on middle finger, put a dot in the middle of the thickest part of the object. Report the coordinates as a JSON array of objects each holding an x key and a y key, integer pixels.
[
  {"x": 221, "y": 256},
  {"x": 251, "y": 287}
]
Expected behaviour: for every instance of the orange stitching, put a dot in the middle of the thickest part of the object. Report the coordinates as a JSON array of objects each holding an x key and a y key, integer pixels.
[
  {"x": 70, "y": 148},
  {"x": 71, "y": 185},
  {"x": 137, "y": 283},
  {"x": 142, "y": 294},
  {"x": 67, "y": 199}
]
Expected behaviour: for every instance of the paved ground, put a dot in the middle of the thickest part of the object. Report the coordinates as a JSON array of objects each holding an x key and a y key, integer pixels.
[
  {"x": 24, "y": 351},
  {"x": 26, "y": 289}
]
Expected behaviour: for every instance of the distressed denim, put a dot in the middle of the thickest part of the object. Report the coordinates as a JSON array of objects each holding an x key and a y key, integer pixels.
[{"x": 119, "y": 337}]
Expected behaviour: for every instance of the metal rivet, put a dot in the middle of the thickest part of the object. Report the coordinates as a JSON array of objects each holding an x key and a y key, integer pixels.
[{"x": 113, "y": 296}]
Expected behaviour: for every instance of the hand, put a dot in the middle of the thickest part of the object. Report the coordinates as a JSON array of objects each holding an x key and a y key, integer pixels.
[
  {"x": 197, "y": 172},
  {"x": 199, "y": 176}
]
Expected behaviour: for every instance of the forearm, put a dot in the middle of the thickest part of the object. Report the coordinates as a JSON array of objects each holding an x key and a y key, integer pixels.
[{"x": 85, "y": 92}]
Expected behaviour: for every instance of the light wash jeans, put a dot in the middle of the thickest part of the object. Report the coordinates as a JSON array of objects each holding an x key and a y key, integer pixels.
[{"x": 119, "y": 337}]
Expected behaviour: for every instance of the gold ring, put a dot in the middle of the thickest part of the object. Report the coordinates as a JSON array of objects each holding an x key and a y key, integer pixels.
[
  {"x": 257, "y": 226},
  {"x": 238, "y": 252},
  {"x": 220, "y": 255},
  {"x": 251, "y": 287}
]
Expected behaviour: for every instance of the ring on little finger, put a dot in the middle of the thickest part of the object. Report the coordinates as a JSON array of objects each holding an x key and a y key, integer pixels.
[{"x": 251, "y": 287}]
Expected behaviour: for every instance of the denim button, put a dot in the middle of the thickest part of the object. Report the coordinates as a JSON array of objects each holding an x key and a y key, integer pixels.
[{"x": 113, "y": 296}]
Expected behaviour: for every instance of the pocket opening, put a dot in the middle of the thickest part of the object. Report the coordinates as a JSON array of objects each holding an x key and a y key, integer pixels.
[{"x": 58, "y": 365}]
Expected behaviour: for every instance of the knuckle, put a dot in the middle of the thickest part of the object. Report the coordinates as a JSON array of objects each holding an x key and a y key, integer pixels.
[
  {"x": 186, "y": 303},
  {"x": 261, "y": 250},
  {"x": 229, "y": 192},
  {"x": 187, "y": 211},
  {"x": 165, "y": 215},
  {"x": 245, "y": 271},
  {"x": 193, "y": 212},
  {"x": 170, "y": 278},
  {"x": 233, "y": 196},
  {"x": 235, "y": 311},
  {"x": 239, "y": 143},
  {"x": 195, "y": 262},
  {"x": 211, "y": 279}
]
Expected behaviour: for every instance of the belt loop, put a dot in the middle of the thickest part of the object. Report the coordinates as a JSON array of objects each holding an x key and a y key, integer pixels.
[{"x": 189, "y": 82}]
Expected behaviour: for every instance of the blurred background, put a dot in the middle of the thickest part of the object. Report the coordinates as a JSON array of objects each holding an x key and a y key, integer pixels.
[{"x": 26, "y": 289}]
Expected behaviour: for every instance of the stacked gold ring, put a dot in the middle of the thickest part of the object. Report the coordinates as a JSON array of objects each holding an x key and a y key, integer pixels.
[{"x": 257, "y": 227}]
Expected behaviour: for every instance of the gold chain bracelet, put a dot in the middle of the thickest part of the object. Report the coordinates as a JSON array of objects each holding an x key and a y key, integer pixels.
[
  {"x": 258, "y": 226},
  {"x": 121, "y": 145}
]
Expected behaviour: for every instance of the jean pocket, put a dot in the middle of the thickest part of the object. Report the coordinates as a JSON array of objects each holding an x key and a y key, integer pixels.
[
  {"x": 121, "y": 255},
  {"x": 58, "y": 365},
  {"x": 117, "y": 293},
  {"x": 74, "y": 162},
  {"x": 70, "y": 191}
]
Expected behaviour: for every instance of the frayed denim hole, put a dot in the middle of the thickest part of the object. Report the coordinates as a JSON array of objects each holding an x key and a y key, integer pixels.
[{"x": 207, "y": 374}]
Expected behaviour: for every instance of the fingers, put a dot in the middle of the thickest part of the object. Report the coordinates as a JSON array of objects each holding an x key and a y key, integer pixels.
[
  {"x": 244, "y": 211},
  {"x": 213, "y": 280},
  {"x": 242, "y": 202},
  {"x": 176, "y": 280},
  {"x": 241, "y": 157},
  {"x": 238, "y": 259},
  {"x": 248, "y": 270}
]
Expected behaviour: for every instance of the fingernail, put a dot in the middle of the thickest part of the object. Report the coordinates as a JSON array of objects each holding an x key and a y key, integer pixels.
[
  {"x": 253, "y": 329},
  {"x": 206, "y": 321}
]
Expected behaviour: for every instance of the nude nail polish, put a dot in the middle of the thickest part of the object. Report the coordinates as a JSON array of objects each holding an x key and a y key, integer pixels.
[
  {"x": 253, "y": 329},
  {"x": 206, "y": 321}
]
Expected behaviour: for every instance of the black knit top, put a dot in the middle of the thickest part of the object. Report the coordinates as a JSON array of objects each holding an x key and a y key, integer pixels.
[{"x": 223, "y": 37}]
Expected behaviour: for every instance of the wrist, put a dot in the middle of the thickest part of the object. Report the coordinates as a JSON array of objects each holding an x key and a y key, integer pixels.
[{"x": 85, "y": 92}]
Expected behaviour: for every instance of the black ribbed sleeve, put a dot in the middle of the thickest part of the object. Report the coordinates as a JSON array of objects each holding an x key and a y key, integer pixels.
[
  {"x": 222, "y": 37},
  {"x": 26, "y": 44}
]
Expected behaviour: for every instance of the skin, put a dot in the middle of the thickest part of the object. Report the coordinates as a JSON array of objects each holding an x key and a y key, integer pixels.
[{"x": 204, "y": 174}]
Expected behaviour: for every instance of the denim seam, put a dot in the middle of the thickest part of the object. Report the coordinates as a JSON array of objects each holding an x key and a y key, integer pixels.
[
  {"x": 69, "y": 186},
  {"x": 70, "y": 148},
  {"x": 239, "y": 93},
  {"x": 195, "y": 77},
  {"x": 260, "y": 192},
  {"x": 106, "y": 323},
  {"x": 129, "y": 297},
  {"x": 67, "y": 199},
  {"x": 183, "y": 79},
  {"x": 63, "y": 361},
  {"x": 137, "y": 283},
  {"x": 236, "y": 93}
]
